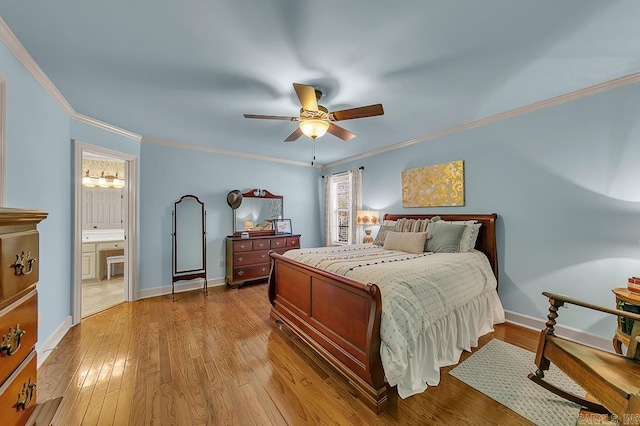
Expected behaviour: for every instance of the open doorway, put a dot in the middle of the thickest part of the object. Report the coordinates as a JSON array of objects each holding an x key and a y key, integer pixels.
[{"x": 105, "y": 221}]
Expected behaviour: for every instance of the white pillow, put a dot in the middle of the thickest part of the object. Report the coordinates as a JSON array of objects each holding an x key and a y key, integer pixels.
[{"x": 411, "y": 242}]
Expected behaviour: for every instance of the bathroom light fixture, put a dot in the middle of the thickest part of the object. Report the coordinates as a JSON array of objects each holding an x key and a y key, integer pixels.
[{"x": 104, "y": 181}]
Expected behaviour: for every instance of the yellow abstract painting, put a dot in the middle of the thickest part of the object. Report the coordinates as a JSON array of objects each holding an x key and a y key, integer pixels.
[{"x": 438, "y": 185}]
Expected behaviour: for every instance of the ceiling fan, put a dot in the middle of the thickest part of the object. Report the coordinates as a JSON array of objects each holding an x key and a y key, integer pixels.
[{"x": 315, "y": 120}]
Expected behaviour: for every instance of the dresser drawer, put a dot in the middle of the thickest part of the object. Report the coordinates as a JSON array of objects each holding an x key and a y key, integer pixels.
[
  {"x": 19, "y": 388},
  {"x": 22, "y": 315},
  {"x": 17, "y": 249},
  {"x": 261, "y": 244},
  {"x": 250, "y": 258},
  {"x": 278, "y": 243},
  {"x": 242, "y": 245},
  {"x": 115, "y": 245},
  {"x": 251, "y": 272},
  {"x": 293, "y": 242}
]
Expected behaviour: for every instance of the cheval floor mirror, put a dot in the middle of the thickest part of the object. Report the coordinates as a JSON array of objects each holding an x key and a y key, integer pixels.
[{"x": 189, "y": 246}]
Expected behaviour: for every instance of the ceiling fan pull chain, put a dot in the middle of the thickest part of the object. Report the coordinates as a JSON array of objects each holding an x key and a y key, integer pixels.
[{"x": 314, "y": 152}]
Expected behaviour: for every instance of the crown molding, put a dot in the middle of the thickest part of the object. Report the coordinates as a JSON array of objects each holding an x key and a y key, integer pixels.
[
  {"x": 212, "y": 150},
  {"x": 13, "y": 44},
  {"x": 567, "y": 97},
  {"x": 106, "y": 126},
  {"x": 17, "y": 49}
]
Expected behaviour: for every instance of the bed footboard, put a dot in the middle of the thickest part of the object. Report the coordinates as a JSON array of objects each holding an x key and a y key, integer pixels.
[{"x": 337, "y": 317}]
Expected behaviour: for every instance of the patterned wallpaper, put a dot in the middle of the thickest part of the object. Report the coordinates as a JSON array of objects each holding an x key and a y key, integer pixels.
[{"x": 96, "y": 167}]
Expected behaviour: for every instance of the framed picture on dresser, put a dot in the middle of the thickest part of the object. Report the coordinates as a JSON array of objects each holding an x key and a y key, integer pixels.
[{"x": 282, "y": 226}]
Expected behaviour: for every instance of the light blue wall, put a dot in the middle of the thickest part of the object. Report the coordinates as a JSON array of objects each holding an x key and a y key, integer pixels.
[
  {"x": 39, "y": 164},
  {"x": 564, "y": 182},
  {"x": 167, "y": 173}
]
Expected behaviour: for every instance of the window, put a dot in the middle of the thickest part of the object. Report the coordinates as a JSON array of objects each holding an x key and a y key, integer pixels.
[
  {"x": 342, "y": 200},
  {"x": 341, "y": 209}
]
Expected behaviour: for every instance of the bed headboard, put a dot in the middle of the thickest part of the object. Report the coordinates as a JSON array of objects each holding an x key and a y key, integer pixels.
[{"x": 486, "y": 241}]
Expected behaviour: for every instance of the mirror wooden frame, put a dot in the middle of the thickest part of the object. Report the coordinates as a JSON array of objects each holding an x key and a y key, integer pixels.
[
  {"x": 259, "y": 194},
  {"x": 197, "y": 246}
]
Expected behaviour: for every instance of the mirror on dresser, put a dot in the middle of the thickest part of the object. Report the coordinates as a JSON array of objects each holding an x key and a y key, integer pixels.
[{"x": 257, "y": 208}]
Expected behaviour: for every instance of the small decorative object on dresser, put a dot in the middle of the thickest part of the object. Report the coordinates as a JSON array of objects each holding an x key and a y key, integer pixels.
[
  {"x": 282, "y": 226},
  {"x": 20, "y": 257}
]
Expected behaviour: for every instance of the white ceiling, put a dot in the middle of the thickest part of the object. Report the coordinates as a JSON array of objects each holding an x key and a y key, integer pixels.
[{"x": 186, "y": 71}]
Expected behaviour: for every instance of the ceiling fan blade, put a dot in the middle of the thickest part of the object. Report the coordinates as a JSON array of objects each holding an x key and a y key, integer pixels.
[
  {"x": 307, "y": 96},
  {"x": 294, "y": 136},
  {"x": 271, "y": 117},
  {"x": 360, "y": 112},
  {"x": 338, "y": 131}
]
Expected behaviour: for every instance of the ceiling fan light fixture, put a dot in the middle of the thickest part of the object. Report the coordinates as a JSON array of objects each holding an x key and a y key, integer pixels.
[{"x": 314, "y": 128}]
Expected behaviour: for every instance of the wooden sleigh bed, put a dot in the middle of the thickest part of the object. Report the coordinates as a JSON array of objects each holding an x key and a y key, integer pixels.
[{"x": 339, "y": 318}]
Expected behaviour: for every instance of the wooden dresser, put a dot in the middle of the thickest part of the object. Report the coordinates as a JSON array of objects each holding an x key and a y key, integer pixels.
[
  {"x": 248, "y": 258},
  {"x": 19, "y": 257}
]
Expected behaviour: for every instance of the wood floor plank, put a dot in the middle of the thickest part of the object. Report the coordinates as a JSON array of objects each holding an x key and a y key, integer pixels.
[{"x": 218, "y": 359}]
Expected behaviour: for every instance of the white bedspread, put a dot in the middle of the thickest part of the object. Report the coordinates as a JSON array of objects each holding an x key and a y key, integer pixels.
[{"x": 434, "y": 306}]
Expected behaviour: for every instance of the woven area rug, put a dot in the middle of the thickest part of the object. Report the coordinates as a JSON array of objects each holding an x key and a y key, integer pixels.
[{"x": 499, "y": 370}]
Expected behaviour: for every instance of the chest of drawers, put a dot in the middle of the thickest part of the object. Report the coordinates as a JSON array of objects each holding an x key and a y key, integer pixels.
[
  {"x": 247, "y": 259},
  {"x": 19, "y": 257}
]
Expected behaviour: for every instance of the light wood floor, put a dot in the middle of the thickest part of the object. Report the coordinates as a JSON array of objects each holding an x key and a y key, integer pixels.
[
  {"x": 98, "y": 295},
  {"x": 218, "y": 360}
]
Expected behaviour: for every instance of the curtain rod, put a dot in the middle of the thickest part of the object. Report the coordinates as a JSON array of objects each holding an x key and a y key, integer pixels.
[{"x": 344, "y": 171}]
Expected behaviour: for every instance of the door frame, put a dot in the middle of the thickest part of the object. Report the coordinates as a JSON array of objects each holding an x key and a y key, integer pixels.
[{"x": 130, "y": 228}]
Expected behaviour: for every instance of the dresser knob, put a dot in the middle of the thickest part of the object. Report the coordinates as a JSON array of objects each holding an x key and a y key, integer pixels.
[
  {"x": 11, "y": 342},
  {"x": 264, "y": 256},
  {"x": 240, "y": 259},
  {"x": 264, "y": 269},
  {"x": 242, "y": 246},
  {"x": 240, "y": 272},
  {"x": 23, "y": 264},
  {"x": 25, "y": 396}
]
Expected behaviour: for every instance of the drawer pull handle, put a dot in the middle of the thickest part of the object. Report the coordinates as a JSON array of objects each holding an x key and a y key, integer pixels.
[
  {"x": 261, "y": 244},
  {"x": 242, "y": 246},
  {"x": 277, "y": 243},
  {"x": 11, "y": 342},
  {"x": 264, "y": 256},
  {"x": 264, "y": 269},
  {"x": 240, "y": 259},
  {"x": 25, "y": 396},
  {"x": 24, "y": 263},
  {"x": 240, "y": 272}
]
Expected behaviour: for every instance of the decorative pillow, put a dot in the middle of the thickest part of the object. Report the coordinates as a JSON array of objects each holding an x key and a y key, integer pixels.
[
  {"x": 389, "y": 223},
  {"x": 382, "y": 234},
  {"x": 470, "y": 234},
  {"x": 445, "y": 237},
  {"x": 469, "y": 237},
  {"x": 404, "y": 225},
  {"x": 411, "y": 242}
]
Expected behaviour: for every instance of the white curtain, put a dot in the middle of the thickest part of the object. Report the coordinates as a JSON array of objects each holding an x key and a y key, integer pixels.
[
  {"x": 328, "y": 214},
  {"x": 357, "y": 233}
]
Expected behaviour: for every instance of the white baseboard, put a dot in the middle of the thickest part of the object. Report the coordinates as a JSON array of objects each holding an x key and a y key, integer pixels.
[
  {"x": 45, "y": 349},
  {"x": 569, "y": 333},
  {"x": 180, "y": 287}
]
